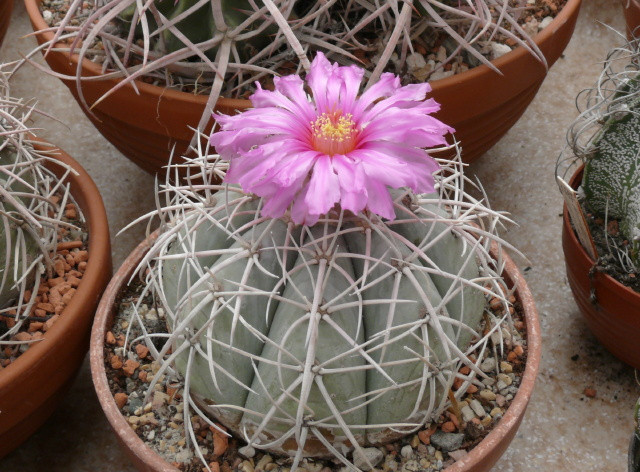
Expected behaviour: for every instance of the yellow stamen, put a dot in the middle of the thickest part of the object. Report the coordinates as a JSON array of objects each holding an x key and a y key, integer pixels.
[{"x": 334, "y": 133}]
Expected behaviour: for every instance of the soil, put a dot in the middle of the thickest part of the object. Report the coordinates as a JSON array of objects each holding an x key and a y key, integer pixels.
[
  {"x": 427, "y": 62},
  {"x": 609, "y": 242},
  {"x": 55, "y": 290},
  {"x": 160, "y": 422}
]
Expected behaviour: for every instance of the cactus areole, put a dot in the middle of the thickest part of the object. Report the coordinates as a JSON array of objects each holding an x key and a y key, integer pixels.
[{"x": 325, "y": 336}]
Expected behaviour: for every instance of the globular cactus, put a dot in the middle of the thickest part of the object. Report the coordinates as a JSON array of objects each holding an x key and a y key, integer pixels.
[
  {"x": 313, "y": 341},
  {"x": 225, "y": 46}
]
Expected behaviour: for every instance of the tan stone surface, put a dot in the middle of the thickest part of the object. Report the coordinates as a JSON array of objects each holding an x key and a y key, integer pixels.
[{"x": 563, "y": 430}]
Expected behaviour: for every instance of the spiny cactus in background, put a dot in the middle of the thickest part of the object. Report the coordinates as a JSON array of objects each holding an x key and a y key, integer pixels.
[
  {"x": 229, "y": 45},
  {"x": 29, "y": 218},
  {"x": 606, "y": 137},
  {"x": 196, "y": 21},
  {"x": 313, "y": 341}
]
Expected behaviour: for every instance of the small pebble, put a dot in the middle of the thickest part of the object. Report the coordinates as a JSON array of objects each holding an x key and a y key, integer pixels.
[{"x": 246, "y": 451}]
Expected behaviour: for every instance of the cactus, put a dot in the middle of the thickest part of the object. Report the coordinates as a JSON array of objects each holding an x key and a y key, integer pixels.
[
  {"x": 29, "y": 219},
  {"x": 197, "y": 24},
  {"x": 611, "y": 179},
  {"x": 229, "y": 45},
  {"x": 313, "y": 341},
  {"x": 606, "y": 138}
]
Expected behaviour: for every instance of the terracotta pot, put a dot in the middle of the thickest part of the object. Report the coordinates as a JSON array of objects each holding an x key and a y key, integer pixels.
[
  {"x": 6, "y": 7},
  {"x": 32, "y": 386},
  {"x": 480, "y": 104},
  {"x": 611, "y": 310},
  {"x": 631, "y": 15},
  {"x": 480, "y": 459}
]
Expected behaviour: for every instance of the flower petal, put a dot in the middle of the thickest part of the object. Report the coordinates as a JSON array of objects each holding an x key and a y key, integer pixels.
[{"x": 324, "y": 187}]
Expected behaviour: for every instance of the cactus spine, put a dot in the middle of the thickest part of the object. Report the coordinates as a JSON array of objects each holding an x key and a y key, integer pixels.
[{"x": 29, "y": 219}]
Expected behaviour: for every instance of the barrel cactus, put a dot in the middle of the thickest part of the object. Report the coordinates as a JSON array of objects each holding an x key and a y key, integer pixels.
[
  {"x": 327, "y": 294},
  {"x": 29, "y": 217},
  {"x": 225, "y": 46}
]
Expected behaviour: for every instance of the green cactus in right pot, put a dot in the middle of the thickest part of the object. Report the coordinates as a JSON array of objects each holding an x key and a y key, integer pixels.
[{"x": 611, "y": 180}]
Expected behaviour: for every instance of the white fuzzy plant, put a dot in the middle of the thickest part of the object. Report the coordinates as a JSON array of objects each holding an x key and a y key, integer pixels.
[
  {"x": 228, "y": 45},
  {"x": 29, "y": 217},
  {"x": 317, "y": 341}
]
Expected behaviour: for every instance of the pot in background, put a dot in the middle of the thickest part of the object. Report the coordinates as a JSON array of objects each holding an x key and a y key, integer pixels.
[
  {"x": 480, "y": 459},
  {"x": 611, "y": 310},
  {"x": 147, "y": 127},
  {"x": 32, "y": 386},
  {"x": 631, "y": 15},
  {"x": 6, "y": 7}
]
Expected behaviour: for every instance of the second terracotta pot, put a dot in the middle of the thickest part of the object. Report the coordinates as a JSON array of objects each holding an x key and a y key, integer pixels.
[
  {"x": 6, "y": 7},
  {"x": 480, "y": 104},
  {"x": 480, "y": 459},
  {"x": 611, "y": 310},
  {"x": 631, "y": 15},
  {"x": 33, "y": 385}
]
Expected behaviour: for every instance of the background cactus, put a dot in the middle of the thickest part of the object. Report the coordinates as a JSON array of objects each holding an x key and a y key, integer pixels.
[
  {"x": 312, "y": 341},
  {"x": 227, "y": 45},
  {"x": 29, "y": 218},
  {"x": 606, "y": 137}
]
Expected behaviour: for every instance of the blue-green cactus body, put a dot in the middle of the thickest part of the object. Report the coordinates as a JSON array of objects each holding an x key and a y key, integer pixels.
[{"x": 338, "y": 326}]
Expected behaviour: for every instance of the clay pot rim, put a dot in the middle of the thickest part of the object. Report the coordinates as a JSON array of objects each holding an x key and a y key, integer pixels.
[
  {"x": 234, "y": 103},
  {"x": 617, "y": 287},
  {"x": 99, "y": 260},
  {"x": 154, "y": 461}
]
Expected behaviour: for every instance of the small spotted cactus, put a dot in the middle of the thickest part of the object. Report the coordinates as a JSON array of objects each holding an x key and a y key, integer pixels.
[
  {"x": 606, "y": 137},
  {"x": 313, "y": 341},
  {"x": 612, "y": 174}
]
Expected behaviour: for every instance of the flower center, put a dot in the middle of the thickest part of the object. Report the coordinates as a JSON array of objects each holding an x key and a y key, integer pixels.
[{"x": 334, "y": 133}]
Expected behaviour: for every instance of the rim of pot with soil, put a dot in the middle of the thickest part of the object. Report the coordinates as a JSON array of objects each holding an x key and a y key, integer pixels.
[
  {"x": 6, "y": 7},
  {"x": 480, "y": 459},
  {"x": 480, "y": 119},
  {"x": 610, "y": 309},
  {"x": 33, "y": 384}
]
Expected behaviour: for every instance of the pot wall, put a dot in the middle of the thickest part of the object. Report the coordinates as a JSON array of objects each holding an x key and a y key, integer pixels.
[
  {"x": 32, "y": 386},
  {"x": 631, "y": 15},
  {"x": 480, "y": 459},
  {"x": 611, "y": 310},
  {"x": 151, "y": 123},
  {"x": 6, "y": 7}
]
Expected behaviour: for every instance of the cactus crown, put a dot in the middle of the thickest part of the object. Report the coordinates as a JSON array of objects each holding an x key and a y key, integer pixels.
[
  {"x": 228, "y": 45},
  {"x": 29, "y": 218},
  {"x": 606, "y": 138},
  {"x": 276, "y": 328}
]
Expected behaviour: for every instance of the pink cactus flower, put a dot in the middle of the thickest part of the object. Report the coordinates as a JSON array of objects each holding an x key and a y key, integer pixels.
[{"x": 307, "y": 154}]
